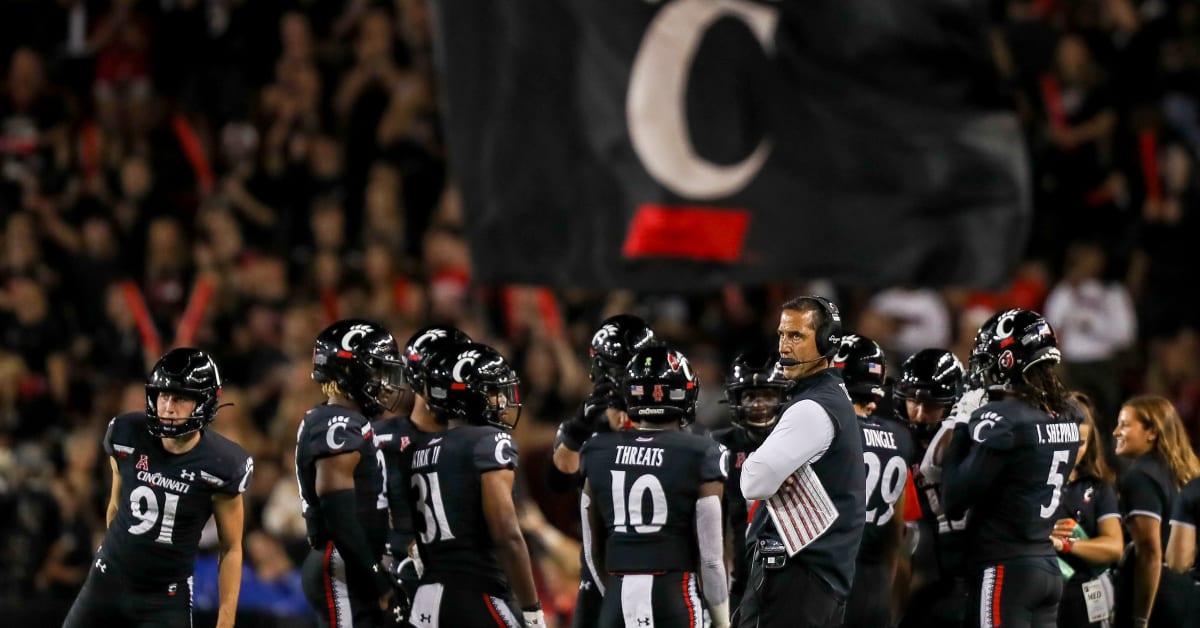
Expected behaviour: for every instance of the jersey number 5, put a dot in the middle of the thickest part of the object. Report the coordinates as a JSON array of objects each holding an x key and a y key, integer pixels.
[
  {"x": 889, "y": 479},
  {"x": 631, "y": 503},
  {"x": 1055, "y": 480},
  {"x": 143, "y": 503},
  {"x": 431, "y": 507}
]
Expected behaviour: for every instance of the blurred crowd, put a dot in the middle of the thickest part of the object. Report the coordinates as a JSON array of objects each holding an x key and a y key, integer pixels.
[{"x": 235, "y": 174}]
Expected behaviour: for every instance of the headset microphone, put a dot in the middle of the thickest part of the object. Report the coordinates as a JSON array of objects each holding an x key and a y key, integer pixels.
[{"x": 785, "y": 362}]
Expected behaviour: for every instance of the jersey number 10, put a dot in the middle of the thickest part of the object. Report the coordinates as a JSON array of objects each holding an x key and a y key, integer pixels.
[{"x": 631, "y": 503}]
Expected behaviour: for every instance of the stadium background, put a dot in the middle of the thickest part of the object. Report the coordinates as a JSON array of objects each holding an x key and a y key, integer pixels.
[{"x": 236, "y": 174}]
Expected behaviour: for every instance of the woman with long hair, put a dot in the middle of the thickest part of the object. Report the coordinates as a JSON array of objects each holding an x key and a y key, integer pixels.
[
  {"x": 1151, "y": 435},
  {"x": 1087, "y": 535}
]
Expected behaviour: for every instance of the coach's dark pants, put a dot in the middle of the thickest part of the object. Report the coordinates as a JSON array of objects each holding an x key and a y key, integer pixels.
[{"x": 791, "y": 597}]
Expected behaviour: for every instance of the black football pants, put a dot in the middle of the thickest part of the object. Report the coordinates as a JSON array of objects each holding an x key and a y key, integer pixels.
[{"x": 109, "y": 599}]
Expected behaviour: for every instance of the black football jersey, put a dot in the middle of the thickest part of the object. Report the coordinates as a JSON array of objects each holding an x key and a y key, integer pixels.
[
  {"x": 941, "y": 547},
  {"x": 1015, "y": 515},
  {"x": 645, "y": 485},
  {"x": 1187, "y": 513},
  {"x": 394, "y": 436},
  {"x": 330, "y": 430},
  {"x": 166, "y": 498},
  {"x": 443, "y": 477},
  {"x": 1087, "y": 500},
  {"x": 737, "y": 509},
  {"x": 887, "y": 455}
]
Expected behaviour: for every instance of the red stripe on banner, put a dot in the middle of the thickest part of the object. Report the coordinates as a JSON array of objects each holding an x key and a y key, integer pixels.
[
  {"x": 697, "y": 233},
  {"x": 912, "y": 507},
  {"x": 141, "y": 316},
  {"x": 329, "y": 305},
  {"x": 487, "y": 599},
  {"x": 1053, "y": 100},
  {"x": 548, "y": 308},
  {"x": 1148, "y": 147},
  {"x": 328, "y": 572},
  {"x": 194, "y": 151},
  {"x": 999, "y": 586},
  {"x": 800, "y": 503},
  {"x": 687, "y": 600},
  {"x": 194, "y": 313}
]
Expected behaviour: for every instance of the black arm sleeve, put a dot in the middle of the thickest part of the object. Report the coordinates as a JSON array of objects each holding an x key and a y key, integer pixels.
[
  {"x": 350, "y": 539},
  {"x": 397, "y": 494},
  {"x": 969, "y": 470}
]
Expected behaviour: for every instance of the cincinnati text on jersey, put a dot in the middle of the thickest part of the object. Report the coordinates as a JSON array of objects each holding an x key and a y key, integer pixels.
[{"x": 157, "y": 479}]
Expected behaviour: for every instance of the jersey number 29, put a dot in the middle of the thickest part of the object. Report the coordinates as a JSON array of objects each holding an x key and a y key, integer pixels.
[{"x": 889, "y": 479}]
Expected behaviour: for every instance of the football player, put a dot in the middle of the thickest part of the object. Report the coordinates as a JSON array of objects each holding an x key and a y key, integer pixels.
[
  {"x": 341, "y": 473},
  {"x": 169, "y": 474},
  {"x": 611, "y": 347},
  {"x": 887, "y": 454},
  {"x": 1008, "y": 464},
  {"x": 930, "y": 383},
  {"x": 396, "y": 434},
  {"x": 654, "y": 503},
  {"x": 460, "y": 490},
  {"x": 755, "y": 390}
]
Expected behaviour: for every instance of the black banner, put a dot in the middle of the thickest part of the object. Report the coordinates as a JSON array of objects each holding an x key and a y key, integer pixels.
[{"x": 693, "y": 143}]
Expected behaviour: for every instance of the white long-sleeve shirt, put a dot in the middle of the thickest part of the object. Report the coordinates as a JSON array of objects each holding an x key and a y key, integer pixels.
[
  {"x": 803, "y": 434},
  {"x": 1093, "y": 321}
]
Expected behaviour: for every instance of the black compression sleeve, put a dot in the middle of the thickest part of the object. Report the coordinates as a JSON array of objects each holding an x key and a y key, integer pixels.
[
  {"x": 968, "y": 472},
  {"x": 340, "y": 515}
]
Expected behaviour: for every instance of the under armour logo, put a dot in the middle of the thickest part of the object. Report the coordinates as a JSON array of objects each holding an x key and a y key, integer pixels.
[
  {"x": 643, "y": 621},
  {"x": 101, "y": 566},
  {"x": 171, "y": 589},
  {"x": 143, "y": 463},
  {"x": 187, "y": 475},
  {"x": 584, "y": 585},
  {"x": 425, "y": 619}
]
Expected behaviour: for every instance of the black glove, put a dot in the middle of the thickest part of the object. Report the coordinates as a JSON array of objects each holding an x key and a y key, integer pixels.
[
  {"x": 575, "y": 431},
  {"x": 399, "y": 606}
]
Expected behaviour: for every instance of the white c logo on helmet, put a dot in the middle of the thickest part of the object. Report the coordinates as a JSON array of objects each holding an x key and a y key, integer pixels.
[
  {"x": 1004, "y": 326},
  {"x": 356, "y": 331},
  {"x": 843, "y": 354},
  {"x": 465, "y": 358}
]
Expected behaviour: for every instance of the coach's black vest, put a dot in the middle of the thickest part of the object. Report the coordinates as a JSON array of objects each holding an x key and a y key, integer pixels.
[{"x": 842, "y": 473}]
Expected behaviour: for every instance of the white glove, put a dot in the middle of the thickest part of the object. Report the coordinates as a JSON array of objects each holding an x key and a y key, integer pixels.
[
  {"x": 534, "y": 618},
  {"x": 966, "y": 405},
  {"x": 415, "y": 555}
]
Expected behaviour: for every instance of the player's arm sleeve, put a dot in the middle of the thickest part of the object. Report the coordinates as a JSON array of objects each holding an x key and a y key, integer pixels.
[
  {"x": 108, "y": 437},
  {"x": 339, "y": 507},
  {"x": 803, "y": 434},
  {"x": 589, "y": 554},
  {"x": 969, "y": 470},
  {"x": 709, "y": 528},
  {"x": 401, "y": 531},
  {"x": 239, "y": 476}
]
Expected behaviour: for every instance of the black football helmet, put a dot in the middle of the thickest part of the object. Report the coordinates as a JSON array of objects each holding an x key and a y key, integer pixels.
[
  {"x": 422, "y": 345},
  {"x": 614, "y": 343},
  {"x": 189, "y": 373},
  {"x": 659, "y": 386},
  {"x": 756, "y": 371},
  {"x": 862, "y": 362},
  {"x": 929, "y": 375},
  {"x": 1009, "y": 343},
  {"x": 472, "y": 382},
  {"x": 362, "y": 357}
]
